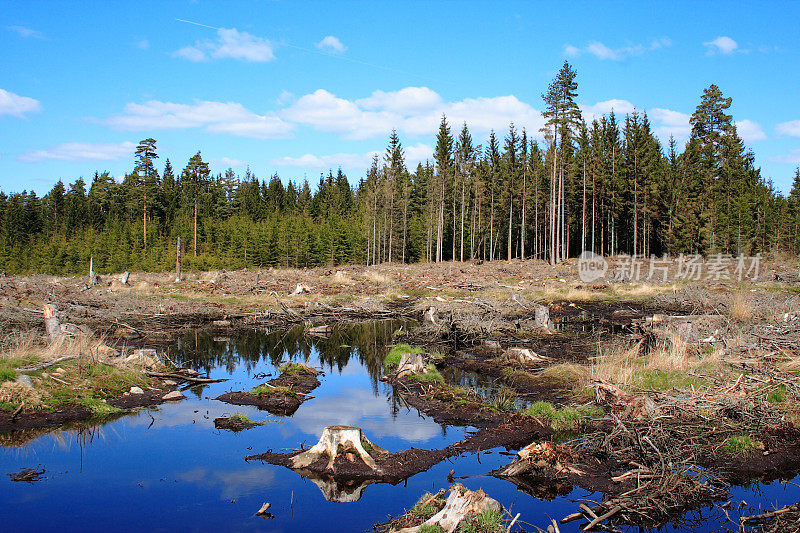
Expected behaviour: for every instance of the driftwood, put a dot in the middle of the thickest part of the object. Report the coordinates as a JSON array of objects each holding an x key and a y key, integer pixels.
[
  {"x": 184, "y": 377},
  {"x": 45, "y": 364}
]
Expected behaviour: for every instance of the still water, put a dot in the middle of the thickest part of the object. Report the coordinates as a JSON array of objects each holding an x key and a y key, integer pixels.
[{"x": 168, "y": 468}]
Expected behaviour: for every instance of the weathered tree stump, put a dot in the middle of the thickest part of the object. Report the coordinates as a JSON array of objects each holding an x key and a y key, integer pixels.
[
  {"x": 51, "y": 322},
  {"x": 541, "y": 318},
  {"x": 461, "y": 504},
  {"x": 523, "y": 356},
  {"x": 429, "y": 317},
  {"x": 336, "y": 440},
  {"x": 411, "y": 363}
]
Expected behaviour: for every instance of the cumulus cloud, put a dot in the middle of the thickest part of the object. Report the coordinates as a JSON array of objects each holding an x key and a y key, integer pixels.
[
  {"x": 213, "y": 117},
  {"x": 28, "y": 33},
  {"x": 324, "y": 111},
  {"x": 232, "y": 44},
  {"x": 228, "y": 162},
  {"x": 601, "y": 51},
  {"x": 791, "y": 158},
  {"x": 790, "y": 129},
  {"x": 331, "y": 44},
  {"x": 16, "y": 105},
  {"x": 405, "y": 101},
  {"x": 750, "y": 131},
  {"x": 81, "y": 152},
  {"x": 617, "y": 106},
  {"x": 414, "y": 154},
  {"x": 669, "y": 122},
  {"x": 721, "y": 45}
]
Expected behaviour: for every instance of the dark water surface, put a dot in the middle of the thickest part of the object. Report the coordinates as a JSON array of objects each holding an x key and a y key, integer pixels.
[{"x": 175, "y": 472}]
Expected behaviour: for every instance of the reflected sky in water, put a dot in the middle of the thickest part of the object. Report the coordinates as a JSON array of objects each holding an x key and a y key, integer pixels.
[{"x": 179, "y": 473}]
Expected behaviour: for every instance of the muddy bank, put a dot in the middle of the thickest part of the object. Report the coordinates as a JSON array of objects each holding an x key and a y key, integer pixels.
[{"x": 282, "y": 395}]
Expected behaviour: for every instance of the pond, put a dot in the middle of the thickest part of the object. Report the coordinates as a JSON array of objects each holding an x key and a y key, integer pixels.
[{"x": 168, "y": 468}]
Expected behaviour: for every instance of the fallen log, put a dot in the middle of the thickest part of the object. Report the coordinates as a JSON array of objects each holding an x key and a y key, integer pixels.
[
  {"x": 184, "y": 377},
  {"x": 45, "y": 364}
]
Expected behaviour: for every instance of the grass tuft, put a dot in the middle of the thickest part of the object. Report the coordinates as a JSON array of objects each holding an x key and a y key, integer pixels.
[
  {"x": 430, "y": 375},
  {"x": 740, "y": 445},
  {"x": 393, "y": 357},
  {"x": 568, "y": 417}
]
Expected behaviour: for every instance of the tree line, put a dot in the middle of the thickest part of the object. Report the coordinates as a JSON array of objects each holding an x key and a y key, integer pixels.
[{"x": 608, "y": 186}]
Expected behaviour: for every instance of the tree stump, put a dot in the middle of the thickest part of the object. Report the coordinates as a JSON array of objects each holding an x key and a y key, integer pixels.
[
  {"x": 429, "y": 317},
  {"x": 541, "y": 318},
  {"x": 51, "y": 322},
  {"x": 336, "y": 440},
  {"x": 460, "y": 504},
  {"x": 523, "y": 356},
  {"x": 411, "y": 363}
]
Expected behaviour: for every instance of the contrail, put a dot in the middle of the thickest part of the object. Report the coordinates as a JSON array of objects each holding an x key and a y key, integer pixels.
[{"x": 198, "y": 24}]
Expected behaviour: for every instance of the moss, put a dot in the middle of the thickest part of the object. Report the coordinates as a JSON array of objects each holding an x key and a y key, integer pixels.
[
  {"x": 393, "y": 357},
  {"x": 295, "y": 369}
]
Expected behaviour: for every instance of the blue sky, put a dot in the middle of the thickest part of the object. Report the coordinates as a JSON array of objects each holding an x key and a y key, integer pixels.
[{"x": 300, "y": 87}]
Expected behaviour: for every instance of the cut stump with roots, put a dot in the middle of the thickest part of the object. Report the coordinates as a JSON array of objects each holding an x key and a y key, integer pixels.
[
  {"x": 336, "y": 441},
  {"x": 462, "y": 504},
  {"x": 411, "y": 363}
]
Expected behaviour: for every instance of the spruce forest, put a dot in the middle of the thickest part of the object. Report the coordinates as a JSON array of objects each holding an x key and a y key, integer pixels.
[{"x": 608, "y": 186}]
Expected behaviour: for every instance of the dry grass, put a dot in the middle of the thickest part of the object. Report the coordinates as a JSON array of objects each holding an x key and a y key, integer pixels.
[
  {"x": 616, "y": 363},
  {"x": 740, "y": 308},
  {"x": 14, "y": 393}
]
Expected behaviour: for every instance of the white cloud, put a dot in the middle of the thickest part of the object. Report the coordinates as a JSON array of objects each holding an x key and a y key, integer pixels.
[
  {"x": 230, "y": 43},
  {"x": 331, "y": 44},
  {"x": 22, "y": 31},
  {"x": 601, "y": 51},
  {"x": 619, "y": 107},
  {"x": 324, "y": 111},
  {"x": 143, "y": 44},
  {"x": 750, "y": 131},
  {"x": 213, "y": 117},
  {"x": 669, "y": 122},
  {"x": 791, "y": 128},
  {"x": 81, "y": 152},
  {"x": 721, "y": 45},
  {"x": 228, "y": 162},
  {"x": 285, "y": 98},
  {"x": 16, "y": 105},
  {"x": 791, "y": 158},
  {"x": 405, "y": 101},
  {"x": 190, "y": 53},
  {"x": 414, "y": 154}
]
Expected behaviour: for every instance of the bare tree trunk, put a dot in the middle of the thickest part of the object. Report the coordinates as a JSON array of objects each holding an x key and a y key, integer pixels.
[
  {"x": 463, "y": 186},
  {"x": 144, "y": 219},
  {"x": 178, "y": 261},
  {"x": 510, "y": 221},
  {"x": 522, "y": 223},
  {"x": 195, "y": 225}
]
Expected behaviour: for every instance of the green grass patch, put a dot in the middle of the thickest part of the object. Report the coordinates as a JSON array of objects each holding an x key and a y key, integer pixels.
[
  {"x": 266, "y": 390},
  {"x": 393, "y": 357},
  {"x": 97, "y": 407},
  {"x": 425, "y": 511},
  {"x": 431, "y": 375},
  {"x": 666, "y": 379},
  {"x": 778, "y": 395},
  {"x": 739, "y": 445},
  {"x": 243, "y": 418},
  {"x": 488, "y": 521},
  {"x": 431, "y": 528},
  {"x": 7, "y": 375},
  {"x": 568, "y": 417},
  {"x": 294, "y": 369},
  {"x": 7, "y": 406}
]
